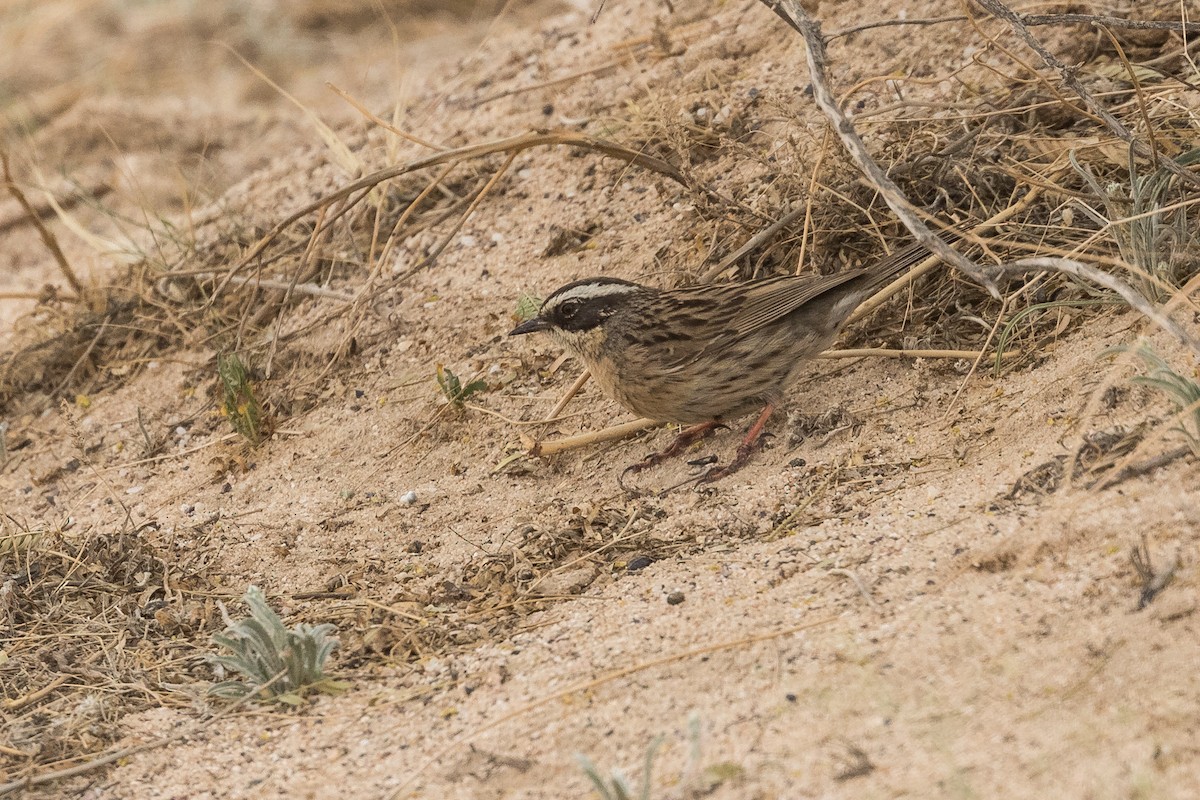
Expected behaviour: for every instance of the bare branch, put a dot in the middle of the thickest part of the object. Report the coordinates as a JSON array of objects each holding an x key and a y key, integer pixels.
[
  {"x": 1003, "y": 12},
  {"x": 1130, "y": 295},
  {"x": 1112, "y": 22},
  {"x": 794, "y": 15}
]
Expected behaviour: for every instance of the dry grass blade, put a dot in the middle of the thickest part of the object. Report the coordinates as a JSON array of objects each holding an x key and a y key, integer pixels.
[
  {"x": 545, "y": 449},
  {"x": 572, "y": 390},
  {"x": 753, "y": 243},
  {"x": 35, "y": 219},
  {"x": 112, "y": 757},
  {"x": 1127, "y": 293},
  {"x": 1068, "y": 76}
]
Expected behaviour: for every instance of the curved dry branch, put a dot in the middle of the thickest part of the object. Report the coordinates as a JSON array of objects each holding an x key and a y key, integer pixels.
[
  {"x": 511, "y": 144},
  {"x": 1003, "y": 12},
  {"x": 791, "y": 12},
  {"x": 1136, "y": 300}
]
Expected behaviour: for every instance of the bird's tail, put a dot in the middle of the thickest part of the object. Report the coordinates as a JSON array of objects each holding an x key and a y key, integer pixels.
[{"x": 901, "y": 261}]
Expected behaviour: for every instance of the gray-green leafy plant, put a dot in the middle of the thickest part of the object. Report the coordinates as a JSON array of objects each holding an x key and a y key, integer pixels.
[
  {"x": 616, "y": 786},
  {"x": 1182, "y": 391},
  {"x": 1150, "y": 228},
  {"x": 283, "y": 663}
]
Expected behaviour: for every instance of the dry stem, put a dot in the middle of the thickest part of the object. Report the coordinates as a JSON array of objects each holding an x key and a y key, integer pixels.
[{"x": 795, "y": 15}]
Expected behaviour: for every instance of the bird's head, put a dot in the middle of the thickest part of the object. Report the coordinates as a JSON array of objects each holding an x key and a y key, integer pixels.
[{"x": 575, "y": 314}]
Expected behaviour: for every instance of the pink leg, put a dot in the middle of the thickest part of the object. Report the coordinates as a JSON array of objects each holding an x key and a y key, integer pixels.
[
  {"x": 686, "y": 437},
  {"x": 745, "y": 449}
]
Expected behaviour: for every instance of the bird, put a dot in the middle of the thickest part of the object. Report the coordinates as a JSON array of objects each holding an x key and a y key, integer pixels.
[{"x": 702, "y": 356}]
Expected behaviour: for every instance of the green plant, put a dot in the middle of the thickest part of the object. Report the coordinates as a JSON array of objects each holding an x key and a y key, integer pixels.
[
  {"x": 1009, "y": 331},
  {"x": 240, "y": 405},
  {"x": 453, "y": 389},
  {"x": 527, "y": 307},
  {"x": 1182, "y": 391},
  {"x": 616, "y": 785},
  {"x": 282, "y": 663},
  {"x": 1151, "y": 232}
]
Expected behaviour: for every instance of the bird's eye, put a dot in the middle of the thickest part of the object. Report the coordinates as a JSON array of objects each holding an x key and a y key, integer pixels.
[{"x": 570, "y": 308}]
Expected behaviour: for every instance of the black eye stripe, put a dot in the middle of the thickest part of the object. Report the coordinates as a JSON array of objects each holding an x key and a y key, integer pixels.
[{"x": 576, "y": 314}]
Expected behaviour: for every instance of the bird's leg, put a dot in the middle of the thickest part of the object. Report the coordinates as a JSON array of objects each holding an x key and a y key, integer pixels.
[
  {"x": 745, "y": 449},
  {"x": 686, "y": 437}
]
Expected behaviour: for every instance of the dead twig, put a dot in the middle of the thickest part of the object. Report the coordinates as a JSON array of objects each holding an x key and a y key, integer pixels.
[
  {"x": 753, "y": 243},
  {"x": 566, "y": 398},
  {"x": 256, "y": 282},
  {"x": 17, "y": 703},
  {"x": 851, "y": 576},
  {"x": 1153, "y": 581},
  {"x": 543, "y": 449},
  {"x": 462, "y": 219},
  {"x": 880, "y": 297},
  {"x": 1067, "y": 74},
  {"x": 1032, "y": 20},
  {"x": 82, "y": 357},
  {"x": 887, "y": 352},
  {"x": 114, "y": 756},
  {"x": 35, "y": 219},
  {"x": 1149, "y": 465},
  {"x": 791, "y": 12},
  {"x": 511, "y": 144},
  {"x": 1110, "y": 22}
]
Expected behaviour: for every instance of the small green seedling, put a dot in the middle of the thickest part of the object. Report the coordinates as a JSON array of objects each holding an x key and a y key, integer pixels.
[
  {"x": 527, "y": 307},
  {"x": 616, "y": 785},
  {"x": 1182, "y": 391},
  {"x": 240, "y": 405},
  {"x": 701, "y": 782},
  {"x": 453, "y": 389},
  {"x": 288, "y": 662}
]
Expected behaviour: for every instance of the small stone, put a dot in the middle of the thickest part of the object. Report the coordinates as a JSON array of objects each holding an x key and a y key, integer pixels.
[
  {"x": 638, "y": 563},
  {"x": 674, "y": 598},
  {"x": 408, "y": 498}
]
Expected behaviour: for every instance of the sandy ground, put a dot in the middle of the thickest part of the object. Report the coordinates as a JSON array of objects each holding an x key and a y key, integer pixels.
[{"x": 864, "y": 611}]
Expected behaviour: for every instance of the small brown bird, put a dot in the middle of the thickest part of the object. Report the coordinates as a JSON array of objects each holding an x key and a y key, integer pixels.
[{"x": 707, "y": 354}]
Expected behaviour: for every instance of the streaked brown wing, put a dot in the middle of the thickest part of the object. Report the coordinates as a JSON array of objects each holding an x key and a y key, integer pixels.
[
  {"x": 770, "y": 300},
  {"x": 673, "y": 327}
]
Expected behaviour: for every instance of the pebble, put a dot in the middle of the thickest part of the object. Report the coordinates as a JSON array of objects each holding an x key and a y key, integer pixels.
[
  {"x": 408, "y": 498},
  {"x": 638, "y": 563}
]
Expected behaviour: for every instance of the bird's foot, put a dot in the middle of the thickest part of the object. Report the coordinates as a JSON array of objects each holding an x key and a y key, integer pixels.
[
  {"x": 744, "y": 451},
  {"x": 686, "y": 438}
]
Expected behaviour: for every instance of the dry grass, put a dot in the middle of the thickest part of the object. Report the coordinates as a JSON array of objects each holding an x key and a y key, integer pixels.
[{"x": 99, "y": 625}]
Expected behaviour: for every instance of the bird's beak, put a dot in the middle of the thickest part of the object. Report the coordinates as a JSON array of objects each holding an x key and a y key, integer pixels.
[{"x": 530, "y": 326}]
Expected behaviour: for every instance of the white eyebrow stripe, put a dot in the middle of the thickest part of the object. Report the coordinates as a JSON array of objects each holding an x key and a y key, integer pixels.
[{"x": 590, "y": 291}]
